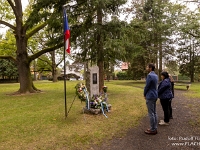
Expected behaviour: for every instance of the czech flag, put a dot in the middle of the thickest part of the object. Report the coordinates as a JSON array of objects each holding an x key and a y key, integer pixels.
[{"x": 66, "y": 33}]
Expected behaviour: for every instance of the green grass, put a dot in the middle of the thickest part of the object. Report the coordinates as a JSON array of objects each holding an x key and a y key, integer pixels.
[
  {"x": 194, "y": 91},
  {"x": 193, "y": 94},
  {"x": 36, "y": 121}
]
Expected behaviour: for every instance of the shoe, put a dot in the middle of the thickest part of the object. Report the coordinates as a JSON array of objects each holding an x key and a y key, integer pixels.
[
  {"x": 163, "y": 123},
  {"x": 148, "y": 131}
]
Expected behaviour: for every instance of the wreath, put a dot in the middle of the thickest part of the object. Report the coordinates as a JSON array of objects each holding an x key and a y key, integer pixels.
[
  {"x": 97, "y": 101},
  {"x": 80, "y": 87}
]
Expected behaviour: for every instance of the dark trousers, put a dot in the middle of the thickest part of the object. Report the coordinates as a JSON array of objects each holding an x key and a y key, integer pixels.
[
  {"x": 170, "y": 108},
  {"x": 165, "y": 107}
]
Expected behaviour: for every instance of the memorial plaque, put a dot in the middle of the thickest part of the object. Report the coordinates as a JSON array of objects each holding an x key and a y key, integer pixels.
[{"x": 94, "y": 76}]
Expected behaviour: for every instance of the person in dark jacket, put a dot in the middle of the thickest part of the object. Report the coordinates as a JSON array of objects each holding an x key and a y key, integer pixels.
[
  {"x": 165, "y": 95},
  {"x": 170, "y": 102},
  {"x": 151, "y": 96}
]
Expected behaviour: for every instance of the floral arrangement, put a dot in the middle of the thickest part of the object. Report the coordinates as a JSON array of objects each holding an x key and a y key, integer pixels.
[
  {"x": 80, "y": 87},
  {"x": 97, "y": 101}
]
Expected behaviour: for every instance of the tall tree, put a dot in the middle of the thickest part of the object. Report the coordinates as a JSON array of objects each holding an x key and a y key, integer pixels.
[
  {"x": 43, "y": 12},
  {"x": 93, "y": 40},
  {"x": 188, "y": 56},
  {"x": 161, "y": 18},
  {"x": 188, "y": 50}
]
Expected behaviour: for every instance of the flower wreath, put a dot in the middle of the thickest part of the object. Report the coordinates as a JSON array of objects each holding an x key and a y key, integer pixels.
[
  {"x": 80, "y": 87},
  {"x": 97, "y": 101}
]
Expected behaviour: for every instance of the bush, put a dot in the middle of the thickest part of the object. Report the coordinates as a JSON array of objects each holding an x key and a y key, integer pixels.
[
  {"x": 183, "y": 77},
  {"x": 123, "y": 76}
]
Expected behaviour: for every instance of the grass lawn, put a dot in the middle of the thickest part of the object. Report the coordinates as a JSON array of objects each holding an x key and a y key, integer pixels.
[
  {"x": 36, "y": 121},
  {"x": 194, "y": 91},
  {"x": 193, "y": 95}
]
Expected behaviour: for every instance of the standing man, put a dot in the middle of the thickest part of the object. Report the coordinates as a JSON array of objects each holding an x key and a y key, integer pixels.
[{"x": 151, "y": 95}]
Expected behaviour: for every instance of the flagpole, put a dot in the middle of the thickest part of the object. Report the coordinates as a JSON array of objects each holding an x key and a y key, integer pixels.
[{"x": 64, "y": 65}]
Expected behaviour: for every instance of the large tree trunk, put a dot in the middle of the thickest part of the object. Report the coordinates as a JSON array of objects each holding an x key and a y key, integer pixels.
[
  {"x": 100, "y": 61},
  {"x": 23, "y": 65},
  {"x": 25, "y": 79},
  {"x": 23, "y": 62}
]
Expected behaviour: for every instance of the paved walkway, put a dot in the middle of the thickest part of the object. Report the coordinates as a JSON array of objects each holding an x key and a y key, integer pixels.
[{"x": 181, "y": 134}]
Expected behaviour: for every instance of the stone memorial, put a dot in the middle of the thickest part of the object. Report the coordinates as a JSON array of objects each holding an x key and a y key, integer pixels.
[
  {"x": 92, "y": 80},
  {"x": 95, "y": 102}
]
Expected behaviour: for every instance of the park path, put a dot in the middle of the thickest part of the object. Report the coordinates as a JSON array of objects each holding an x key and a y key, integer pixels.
[{"x": 182, "y": 130}]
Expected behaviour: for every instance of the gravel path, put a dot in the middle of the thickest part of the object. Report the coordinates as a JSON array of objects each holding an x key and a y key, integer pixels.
[{"x": 181, "y": 134}]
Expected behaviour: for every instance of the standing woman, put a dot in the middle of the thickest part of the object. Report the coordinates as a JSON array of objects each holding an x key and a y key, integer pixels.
[
  {"x": 165, "y": 95},
  {"x": 170, "y": 102}
]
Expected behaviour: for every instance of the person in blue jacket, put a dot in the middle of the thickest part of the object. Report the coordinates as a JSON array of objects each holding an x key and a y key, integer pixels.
[
  {"x": 151, "y": 95},
  {"x": 165, "y": 95}
]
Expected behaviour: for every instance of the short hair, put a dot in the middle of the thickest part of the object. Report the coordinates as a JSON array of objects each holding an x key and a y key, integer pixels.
[
  {"x": 165, "y": 74},
  {"x": 152, "y": 66}
]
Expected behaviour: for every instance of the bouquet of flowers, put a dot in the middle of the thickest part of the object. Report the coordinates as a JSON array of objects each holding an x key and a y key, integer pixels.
[{"x": 97, "y": 101}]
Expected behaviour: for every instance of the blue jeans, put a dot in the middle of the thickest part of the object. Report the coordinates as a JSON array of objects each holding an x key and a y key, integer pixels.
[{"x": 151, "y": 106}]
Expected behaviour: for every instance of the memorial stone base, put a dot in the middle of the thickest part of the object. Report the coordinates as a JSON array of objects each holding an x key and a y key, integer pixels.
[{"x": 95, "y": 111}]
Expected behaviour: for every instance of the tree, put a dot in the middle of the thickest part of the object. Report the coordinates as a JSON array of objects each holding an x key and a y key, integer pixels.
[
  {"x": 50, "y": 60},
  {"x": 189, "y": 58},
  {"x": 134, "y": 41},
  {"x": 151, "y": 34},
  {"x": 8, "y": 69},
  {"x": 7, "y": 44},
  {"x": 188, "y": 50},
  {"x": 172, "y": 66},
  {"x": 92, "y": 41},
  {"x": 24, "y": 28},
  {"x": 158, "y": 13}
]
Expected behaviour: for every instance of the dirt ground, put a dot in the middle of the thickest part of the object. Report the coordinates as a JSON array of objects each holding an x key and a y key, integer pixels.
[{"x": 183, "y": 133}]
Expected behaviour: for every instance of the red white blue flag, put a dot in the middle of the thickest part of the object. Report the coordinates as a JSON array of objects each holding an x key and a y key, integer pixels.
[{"x": 66, "y": 33}]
